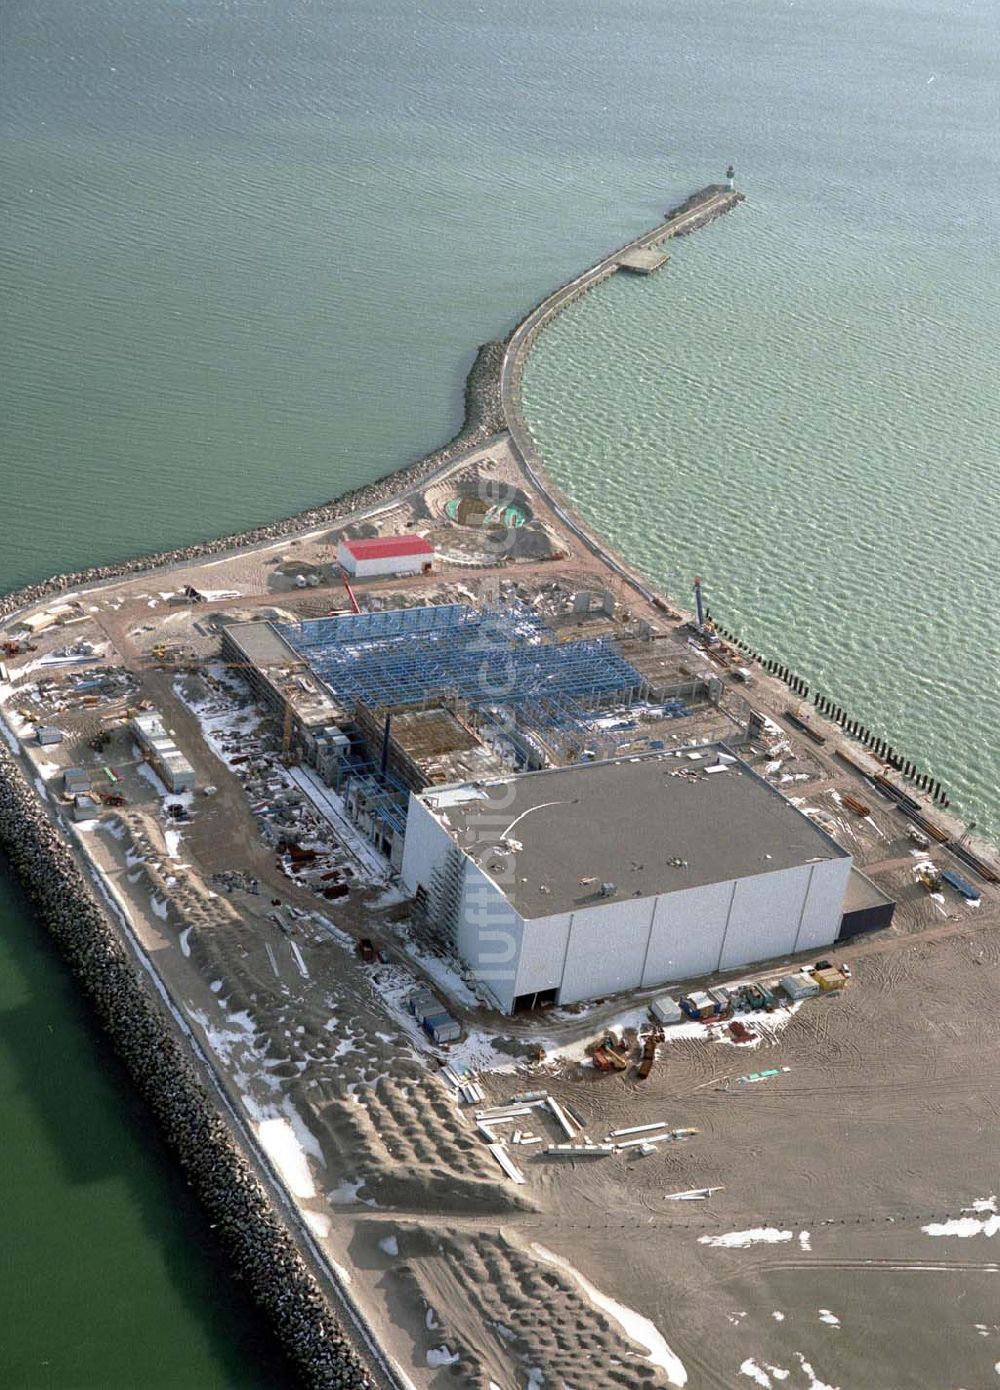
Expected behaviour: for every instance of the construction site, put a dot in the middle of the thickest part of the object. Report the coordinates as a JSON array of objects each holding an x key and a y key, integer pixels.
[
  {"x": 597, "y": 1005},
  {"x": 479, "y": 885}
]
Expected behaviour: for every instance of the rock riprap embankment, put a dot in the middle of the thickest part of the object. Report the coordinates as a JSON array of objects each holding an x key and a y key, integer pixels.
[
  {"x": 261, "y": 1249},
  {"x": 483, "y": 418}
]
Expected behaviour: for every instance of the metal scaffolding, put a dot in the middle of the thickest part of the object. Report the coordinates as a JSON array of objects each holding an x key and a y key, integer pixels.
[
  {"x": 494, "y": 660},
  {"x": 506, "y": 658}
]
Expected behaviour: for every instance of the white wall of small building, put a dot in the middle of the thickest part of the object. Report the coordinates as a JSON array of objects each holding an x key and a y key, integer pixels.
[{"x": 380, "y": 565}]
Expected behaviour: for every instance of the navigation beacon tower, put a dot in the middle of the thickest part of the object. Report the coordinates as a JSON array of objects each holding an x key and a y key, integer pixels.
[{"x": 730, "y": 178}]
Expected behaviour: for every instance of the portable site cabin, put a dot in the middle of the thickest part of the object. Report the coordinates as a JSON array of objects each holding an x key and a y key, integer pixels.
[
  {"x": 424, "y": 1005},
  {"x": 443, "y": 1028},
  {"x": 800, "y": 986},
  {"x": 829, "y": 980},
  {"x": 699, "y": 1005},
  {"x": 666, "y": 1010}
]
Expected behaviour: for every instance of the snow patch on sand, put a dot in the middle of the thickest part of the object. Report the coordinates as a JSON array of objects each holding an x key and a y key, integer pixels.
[
  {"x": 389, "y": 1245},
  {"x": 145, "y": 771},
  {"x": 277, "y": 1138},
  {"x": 964, "y": 1227},
  {"x": 829, "y": 1318},
  {"x": 739, "y": 1240},
  {"x": 637, "y": 1328},
  {"x": 804, "y": 1241},
  {"x": 441, "y": 1356},
  {"x": 317, "y": 1223},
  {"x": 754, "y": 1372},
  {"x": 814, "y": 1381},
  {"x": 348, "y": 1192}
]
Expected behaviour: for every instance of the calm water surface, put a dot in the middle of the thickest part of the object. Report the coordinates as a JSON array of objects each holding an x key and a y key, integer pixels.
[{"x": 247, "y": 252}]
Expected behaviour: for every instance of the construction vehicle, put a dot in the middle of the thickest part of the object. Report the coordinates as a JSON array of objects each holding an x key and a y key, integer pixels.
[
  {"x": 928, "y": 877},
  {"x": 608, "y": 1058},
  {"x": 648, "y": 1055}
]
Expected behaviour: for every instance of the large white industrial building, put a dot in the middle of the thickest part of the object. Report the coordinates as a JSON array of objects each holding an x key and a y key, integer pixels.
[{"x": 578, "y": 882}]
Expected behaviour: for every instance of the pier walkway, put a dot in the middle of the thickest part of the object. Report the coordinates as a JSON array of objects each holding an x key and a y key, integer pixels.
[{"x": 701, "y": 208}]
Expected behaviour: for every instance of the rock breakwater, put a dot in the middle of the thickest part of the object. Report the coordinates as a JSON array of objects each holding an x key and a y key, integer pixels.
[
  {"x": 260, "y": 1248},
  {"x": 484, "y": 418}
]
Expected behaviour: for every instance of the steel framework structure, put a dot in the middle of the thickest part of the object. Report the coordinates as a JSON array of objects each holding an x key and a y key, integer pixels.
[{"x": 506, "y": 657}]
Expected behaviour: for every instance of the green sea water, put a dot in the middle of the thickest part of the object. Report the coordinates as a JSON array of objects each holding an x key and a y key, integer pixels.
[{"x": 247, "y": 251}]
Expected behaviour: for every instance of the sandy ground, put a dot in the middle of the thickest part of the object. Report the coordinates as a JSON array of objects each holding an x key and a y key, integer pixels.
[{"x": 851, "y": 1241}]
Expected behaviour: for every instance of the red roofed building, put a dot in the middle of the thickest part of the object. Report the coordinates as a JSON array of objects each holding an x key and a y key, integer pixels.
[{"x": 386, "y": 555}]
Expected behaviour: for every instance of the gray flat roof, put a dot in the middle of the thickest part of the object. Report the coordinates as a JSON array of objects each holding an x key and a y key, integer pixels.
[
  {"x": 862, "y": 893},
  {"x": 263, "y": 645},
  {"x": 285, "y": 670},
  {"x": 622, "y": 822}
]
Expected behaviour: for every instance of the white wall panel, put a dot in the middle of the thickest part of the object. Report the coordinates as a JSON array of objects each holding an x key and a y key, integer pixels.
[
  {"x": 543, "y": 952},
  {"x": 489, "y": 935},
  {"x": 824, "y": 905},
  {"x": 607, "y": 946},
  {"x": 764, "y": 918},
  {"x": 426, "y": 844},
  {"x": 688, "y": 928}
]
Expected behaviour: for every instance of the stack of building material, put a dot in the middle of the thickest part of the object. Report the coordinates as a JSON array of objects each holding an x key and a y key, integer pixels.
[
  {"x": 506, "y": 1163},
  {"x": 646, "y": 1140},
  {"x": 569, "y": 1129},
  {"x": 580, "y": 1150}
]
